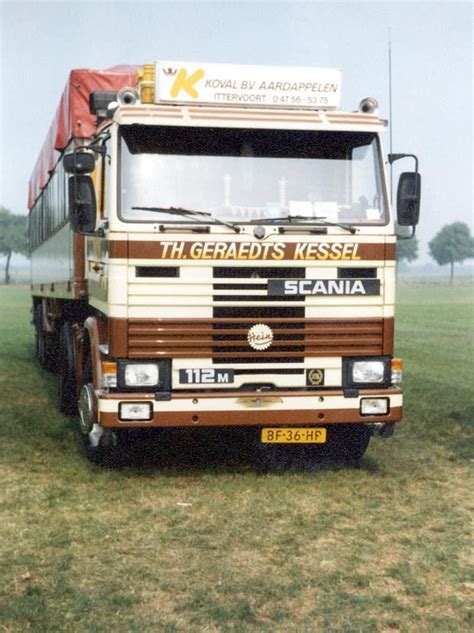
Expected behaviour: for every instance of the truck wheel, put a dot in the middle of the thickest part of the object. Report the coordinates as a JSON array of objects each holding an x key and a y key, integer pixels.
[
  {"x": 39, "y": 346},
  {"x": 40, "y": 342},
  {"x": 67, "y": 385},
  {"x": 102, "y": 446},
  {"x": 268, "y": 458},
  {"x": 348, "y": 442},
  {"x": 46, "y": 345},
  {"x": 272, "y": 457}
]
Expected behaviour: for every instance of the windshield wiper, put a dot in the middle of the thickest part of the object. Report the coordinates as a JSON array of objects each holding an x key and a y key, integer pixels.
[
  {"x": 317, "y": 221},
  {"x": 188, "y": 212}
]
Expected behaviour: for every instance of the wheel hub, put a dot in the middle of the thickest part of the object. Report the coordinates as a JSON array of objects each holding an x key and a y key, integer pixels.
[{"x": 86, "y": 409}]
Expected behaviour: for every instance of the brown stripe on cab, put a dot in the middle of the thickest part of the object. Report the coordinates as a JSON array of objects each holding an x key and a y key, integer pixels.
[
  {"x": 251, "y": 251},
  {"x": 259, "y": 417}
]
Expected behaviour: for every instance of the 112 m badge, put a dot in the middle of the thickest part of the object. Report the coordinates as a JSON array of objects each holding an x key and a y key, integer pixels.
[{"x": 209, "y": 376}]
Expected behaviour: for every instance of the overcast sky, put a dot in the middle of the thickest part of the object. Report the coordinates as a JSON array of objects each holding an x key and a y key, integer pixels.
[{"x": 431, "y": 60}]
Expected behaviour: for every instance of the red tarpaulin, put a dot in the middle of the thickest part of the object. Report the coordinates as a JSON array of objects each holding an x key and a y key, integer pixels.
[{"x": 73, "y": 119}]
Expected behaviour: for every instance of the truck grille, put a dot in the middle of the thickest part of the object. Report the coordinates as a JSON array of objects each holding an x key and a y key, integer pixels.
[
  {"x": 239, "y": 300},
  {"x": 224, "y": 338}
]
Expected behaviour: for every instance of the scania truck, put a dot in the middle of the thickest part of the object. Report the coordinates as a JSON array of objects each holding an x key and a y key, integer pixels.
[{"x": 213, "y": 246}]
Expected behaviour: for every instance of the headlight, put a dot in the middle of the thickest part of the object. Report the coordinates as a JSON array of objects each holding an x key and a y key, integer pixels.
[
  {"x": 145, "y": 376},
  {"x": 365, "y": 371},
  {"x": 141, "y": 375}
]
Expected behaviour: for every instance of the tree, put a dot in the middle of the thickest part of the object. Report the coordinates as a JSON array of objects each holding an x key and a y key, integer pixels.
[
  {"x": 13, "y": 237},
  {"x": 453, "y": 243}
]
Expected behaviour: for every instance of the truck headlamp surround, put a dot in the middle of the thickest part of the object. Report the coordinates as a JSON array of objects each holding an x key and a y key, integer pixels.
[
  {"x": 366, "y": 372},
  {"x": 144, "y": 375}
]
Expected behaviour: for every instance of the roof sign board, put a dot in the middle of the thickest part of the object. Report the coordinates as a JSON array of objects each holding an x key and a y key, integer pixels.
[{"x": 265, "y": 86}]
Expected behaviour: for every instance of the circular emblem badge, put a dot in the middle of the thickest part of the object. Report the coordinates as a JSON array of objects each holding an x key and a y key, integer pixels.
[
  {"x": 260, "y": 336},
  {"x": 316, "y": 376}
]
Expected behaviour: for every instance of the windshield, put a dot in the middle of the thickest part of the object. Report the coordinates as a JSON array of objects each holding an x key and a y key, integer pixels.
[{"x": 240, "y": 175}]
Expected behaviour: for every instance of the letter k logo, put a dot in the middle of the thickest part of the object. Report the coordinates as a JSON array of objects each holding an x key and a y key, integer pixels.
[{"x": 183, "y": 82}]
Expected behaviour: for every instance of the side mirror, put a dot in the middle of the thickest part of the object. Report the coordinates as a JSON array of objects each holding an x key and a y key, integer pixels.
[
  {"x": 82, "y": 204},
  {"x": 79, "y": 163},
  {"x": 408, "y": 199}
]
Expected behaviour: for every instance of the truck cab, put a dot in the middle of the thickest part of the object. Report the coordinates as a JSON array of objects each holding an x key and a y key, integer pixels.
[{"x": 239, "y": 257}]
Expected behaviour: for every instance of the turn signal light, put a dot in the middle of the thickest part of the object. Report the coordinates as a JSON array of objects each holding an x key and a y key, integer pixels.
[
  {"x": 109, "y": 374},
  {"x": 147, "y": 83},
  {"x": 397, "y": 370}
]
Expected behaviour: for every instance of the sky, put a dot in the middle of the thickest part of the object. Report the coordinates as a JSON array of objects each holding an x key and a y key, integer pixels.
[{"x": 431, "y": 44}]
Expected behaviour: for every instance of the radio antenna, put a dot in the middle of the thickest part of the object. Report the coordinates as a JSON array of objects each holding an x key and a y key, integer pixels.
[{"x": 390, "y": 113}]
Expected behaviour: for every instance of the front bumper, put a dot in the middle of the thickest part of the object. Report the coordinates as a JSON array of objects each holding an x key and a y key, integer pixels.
[{"x": 283, "y": 408}]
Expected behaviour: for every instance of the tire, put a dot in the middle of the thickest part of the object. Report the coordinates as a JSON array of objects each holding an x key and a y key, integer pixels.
[
  {"x": 46, "y": 345},
  {"x": 39, "y": 346},
  {"x": 40, "y": 343},
  {"x": 103, "y": 447},
  {"x": 67, "y": 383},
  {"x": 348, "y": 442},
  {"x": 276, "y": 457}
]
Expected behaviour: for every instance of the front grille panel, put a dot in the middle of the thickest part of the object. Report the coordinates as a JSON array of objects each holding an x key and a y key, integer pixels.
[
  {"x": 286, "y": 323},
  {"x": 224, "y": 339},
  {"x": 238, "y": 300}
]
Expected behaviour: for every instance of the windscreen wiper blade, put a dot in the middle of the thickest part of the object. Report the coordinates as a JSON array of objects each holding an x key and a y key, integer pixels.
[
  {"x": 347, "y": 227},
  {"x": 318, "y": 221},
  {"x": 188, "y": 212}
]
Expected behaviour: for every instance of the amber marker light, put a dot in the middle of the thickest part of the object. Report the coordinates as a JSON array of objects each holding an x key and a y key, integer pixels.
[
  {"x": 109, "y": 374},
  {"x": 397, "y": 370},
  {"x": 147, "y": 83}
]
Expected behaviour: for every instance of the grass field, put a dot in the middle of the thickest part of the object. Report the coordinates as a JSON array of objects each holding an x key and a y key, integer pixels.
[{"x": 159, "y": 546}]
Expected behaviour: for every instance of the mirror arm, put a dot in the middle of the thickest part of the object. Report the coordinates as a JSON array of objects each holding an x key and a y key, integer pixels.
[
  {"x": 406, "y": 237},
  {"x": 98, "y": 149},
  {"x": 97, "y": 233},
  {"x": 393, "y": 157},
  {"x": 100, "y": 232}
]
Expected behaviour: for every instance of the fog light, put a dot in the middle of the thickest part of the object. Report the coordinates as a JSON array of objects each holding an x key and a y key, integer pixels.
[
  {"x": 135, "y": 411},
  {"x": 374, "y": 406}
]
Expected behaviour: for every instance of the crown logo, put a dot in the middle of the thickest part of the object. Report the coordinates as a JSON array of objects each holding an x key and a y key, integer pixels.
[{"x": 169, "y": 71}]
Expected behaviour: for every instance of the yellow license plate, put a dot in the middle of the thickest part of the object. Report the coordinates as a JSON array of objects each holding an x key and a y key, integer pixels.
[{"x": 293, "y": 436}]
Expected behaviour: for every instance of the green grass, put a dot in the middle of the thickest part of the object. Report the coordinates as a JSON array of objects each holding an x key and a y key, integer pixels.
[{"x": 384, "y": 548}]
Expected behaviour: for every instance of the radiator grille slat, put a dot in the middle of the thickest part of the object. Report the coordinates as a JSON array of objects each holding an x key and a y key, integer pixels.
[{"x": 225, "y": 340}]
